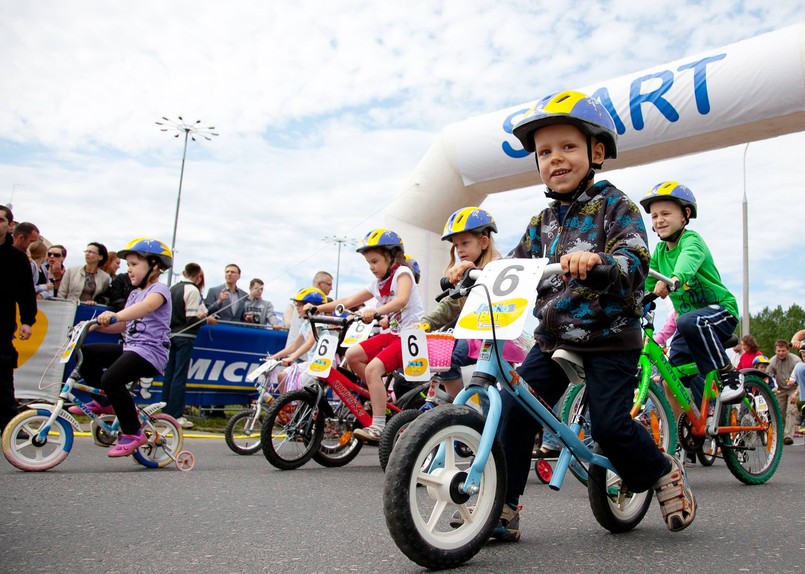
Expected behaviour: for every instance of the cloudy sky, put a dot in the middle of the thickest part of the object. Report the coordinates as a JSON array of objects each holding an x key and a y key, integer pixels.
[{"x": 325, "y": 108}]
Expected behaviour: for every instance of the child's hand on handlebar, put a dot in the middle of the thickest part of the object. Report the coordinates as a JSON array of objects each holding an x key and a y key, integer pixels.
[
  {"x": 106, "y": 318},
  {"x": 368, "y": 315},
  {"x": 577, "y": 264},
  {"x": 455, "y": 273},
  {"x": 661, "y": 290}
]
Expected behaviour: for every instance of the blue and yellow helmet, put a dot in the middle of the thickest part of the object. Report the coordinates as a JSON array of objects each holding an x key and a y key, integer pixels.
[
  {"x": 573, "y": 108},
  {"x": 412, "y": 263},
  {"x": 760, "y": 360},
  {"x": 380, "y": 238},
  {"x": 467, "y": 219},
  {"x": 310, "y": 295},
  {"x": 146, "y": 248},
  {"x": 672, "y": 191}
]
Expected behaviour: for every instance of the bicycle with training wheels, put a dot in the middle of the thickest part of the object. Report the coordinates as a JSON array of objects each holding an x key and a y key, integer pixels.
[
  {"x": 318, "y": 420},
  {"x": 242, "y": 432},
  {"x": 453, "y": 452},
  {"x": 746, "y": 426},
  {"x": 41, "y": 438}
]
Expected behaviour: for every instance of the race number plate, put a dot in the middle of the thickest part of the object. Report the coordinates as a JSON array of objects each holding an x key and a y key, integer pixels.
[
  {"x": 358, "y": 332},
  {"x": 415, "y": 355},
  {"x": 324, "y": 356},
  {"x": 68, "y": 352},
  {"x": 512, "y": 287}
]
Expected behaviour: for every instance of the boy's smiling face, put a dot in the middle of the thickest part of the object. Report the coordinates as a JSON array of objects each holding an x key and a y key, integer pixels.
[
  {"x": 667, "y": 217},
  {"x": 562, "y": 156}
]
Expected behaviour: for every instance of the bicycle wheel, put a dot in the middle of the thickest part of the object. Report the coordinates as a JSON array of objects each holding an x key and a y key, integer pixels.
[
  {"x": 753, "y": 456},
  {"x": 614, "y": 506},
  {"x": 165, "y": 441},
  {"x": 709, "y": 452},
  {"x": 24, "y": 450},
  {"x": 242, "y": 432},
  {"x": 338, "y": 445},
  {"x": 570, "y": 407},
  {"x": 419, "y": 518},
  {"x": 657, "y": 417},
  {"x": 391, "y": 433},
  {"x": 291, "y": 435}
]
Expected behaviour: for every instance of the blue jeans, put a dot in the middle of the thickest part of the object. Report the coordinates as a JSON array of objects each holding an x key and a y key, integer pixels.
[
  {"x": 611, "y": 380},
  {"x": 175, "y": 380}
]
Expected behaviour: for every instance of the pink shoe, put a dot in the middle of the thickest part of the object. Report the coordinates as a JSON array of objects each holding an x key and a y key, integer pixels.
[
  {"x": 95, "y": 407},
  {"x": 127, "y": 444}
]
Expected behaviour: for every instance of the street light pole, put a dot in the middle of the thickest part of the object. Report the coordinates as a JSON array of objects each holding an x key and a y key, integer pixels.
[
  {"x": 340, "y": 241},
  {"x": 190, "y": 131},
  {"x": 745, "y": 214}
]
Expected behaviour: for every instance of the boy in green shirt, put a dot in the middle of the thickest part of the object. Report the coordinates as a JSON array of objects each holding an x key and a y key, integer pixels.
[{"x": 707, "y": 313}]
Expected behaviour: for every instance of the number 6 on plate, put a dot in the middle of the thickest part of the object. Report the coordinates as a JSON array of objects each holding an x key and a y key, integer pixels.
[{"x": 415, "y": 355}]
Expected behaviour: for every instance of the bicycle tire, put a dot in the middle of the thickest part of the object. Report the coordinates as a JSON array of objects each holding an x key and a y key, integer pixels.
[
  {"x": 613, "y": 505},
  {"x": 23, "y": 451},
  {"x": 242, "y": 432},
  {"x": 339, "y": 446},
  {"x": 165, "y": 430},
  {"x": 396, "y": 425},
  {"x": 418, "y": 518},
  {"x": 708, "y": 454},
  {"x": 753, "y": 456},
  {"x": 288, "y": 437}
]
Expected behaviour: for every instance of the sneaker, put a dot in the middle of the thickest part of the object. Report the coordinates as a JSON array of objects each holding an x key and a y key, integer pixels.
[
  {"x": 508, "y": 528},
  {"x": 788, "y": 441},
  {"x": 369, "y": 434},
  {"x": 677, "y": 503},
  {"x": 184, "y": 423},
  {"x": 733, "y": 387},
  {"x": 96, "y": 407},
  {"x": 127, "y": 444}
]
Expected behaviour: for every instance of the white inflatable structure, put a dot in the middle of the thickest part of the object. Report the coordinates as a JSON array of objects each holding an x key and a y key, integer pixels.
[{"x": 748, "y": 91}]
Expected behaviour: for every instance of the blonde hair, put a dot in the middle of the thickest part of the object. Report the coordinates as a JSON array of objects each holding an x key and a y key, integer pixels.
[{"x": 487, "y": 255}]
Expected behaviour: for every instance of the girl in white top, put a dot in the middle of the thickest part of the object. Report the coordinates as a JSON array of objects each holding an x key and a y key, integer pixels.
[{"x": 397, "y": 297}]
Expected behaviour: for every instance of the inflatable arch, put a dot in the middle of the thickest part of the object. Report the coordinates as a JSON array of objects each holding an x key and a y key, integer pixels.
[{"x": 748, "y": 91}]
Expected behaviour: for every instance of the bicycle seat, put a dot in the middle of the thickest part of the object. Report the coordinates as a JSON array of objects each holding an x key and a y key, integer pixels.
[{"x": 572, "y": 364}]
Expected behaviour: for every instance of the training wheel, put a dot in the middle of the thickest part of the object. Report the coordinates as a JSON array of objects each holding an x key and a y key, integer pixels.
[
  {"x": 185, "y": 461},
  {"x": 544, "y": 470}
]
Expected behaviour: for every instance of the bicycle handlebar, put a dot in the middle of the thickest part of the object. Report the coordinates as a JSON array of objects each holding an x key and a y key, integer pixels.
[
  {"x": 598, "y": 278},
  {"x": 673, "y": 285}
]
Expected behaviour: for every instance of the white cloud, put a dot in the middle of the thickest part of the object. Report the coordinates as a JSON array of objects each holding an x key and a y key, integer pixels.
[{"x": 323, "y": 111}]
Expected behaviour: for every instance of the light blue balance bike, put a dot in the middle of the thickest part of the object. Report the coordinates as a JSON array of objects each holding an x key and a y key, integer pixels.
[{"x": 449, "y": 461}]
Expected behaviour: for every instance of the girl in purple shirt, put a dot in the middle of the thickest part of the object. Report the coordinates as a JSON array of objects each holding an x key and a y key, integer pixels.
[{"x": 145, "y": 325}]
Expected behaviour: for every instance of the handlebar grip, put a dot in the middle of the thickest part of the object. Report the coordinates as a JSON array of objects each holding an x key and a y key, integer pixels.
[
  {"x": 600, "y": 277},
  {"x": 113, "y": 320},
  {"x": 445, "y": 284}
]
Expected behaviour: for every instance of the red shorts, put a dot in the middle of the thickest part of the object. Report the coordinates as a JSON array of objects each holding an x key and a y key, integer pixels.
[{"x": 385, "y": 346}]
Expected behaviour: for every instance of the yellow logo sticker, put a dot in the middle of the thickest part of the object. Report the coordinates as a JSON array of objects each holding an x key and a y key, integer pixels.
[
  {"x": 416, "y": 367},
  {"x": 320, "y": 365},
  {"x": 27, "y": 348},
  {"x": 505, "y": 313}
]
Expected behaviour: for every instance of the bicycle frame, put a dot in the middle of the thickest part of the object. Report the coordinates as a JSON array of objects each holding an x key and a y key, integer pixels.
[
  {"x": 66, "y": 394},
  {"x": 701, "y": 423},
  {"x": 341, "y": 382},
  {"x": 487, "y": 372}
]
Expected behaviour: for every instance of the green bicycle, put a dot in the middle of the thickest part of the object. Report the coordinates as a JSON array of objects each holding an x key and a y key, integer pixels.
[{"x": 747, "y": 429}]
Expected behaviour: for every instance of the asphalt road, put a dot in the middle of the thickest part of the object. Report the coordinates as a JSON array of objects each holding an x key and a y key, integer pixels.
[{"x": 235, "y": 514}]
